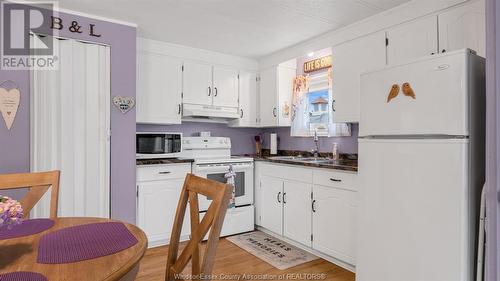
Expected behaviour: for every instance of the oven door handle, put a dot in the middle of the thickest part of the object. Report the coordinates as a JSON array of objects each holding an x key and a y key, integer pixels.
[{"x": 237, "y": 168}]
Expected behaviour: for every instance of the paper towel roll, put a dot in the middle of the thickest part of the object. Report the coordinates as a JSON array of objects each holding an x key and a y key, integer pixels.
[{"x": 273, "y": 143}]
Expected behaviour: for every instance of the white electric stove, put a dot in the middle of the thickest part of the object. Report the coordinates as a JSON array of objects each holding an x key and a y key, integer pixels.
[{"x": 212, "y": 159}]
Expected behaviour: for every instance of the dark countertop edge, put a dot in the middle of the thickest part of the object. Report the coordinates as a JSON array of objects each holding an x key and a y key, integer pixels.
[
  {"x": 313, "y": 165},
  {"x": 162, "y": 161}
]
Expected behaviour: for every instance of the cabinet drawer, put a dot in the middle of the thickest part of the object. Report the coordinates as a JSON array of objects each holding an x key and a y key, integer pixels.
[
  {"x": 162, "y": 172},
  {"x": 345, "y": 180},
  {"x": 288, "y": 172}
]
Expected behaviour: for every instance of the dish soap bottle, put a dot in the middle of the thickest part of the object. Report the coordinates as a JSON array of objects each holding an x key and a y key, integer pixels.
[{"x": 335, "y": 151}]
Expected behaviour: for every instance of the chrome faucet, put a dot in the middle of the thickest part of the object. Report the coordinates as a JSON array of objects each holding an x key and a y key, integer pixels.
[{"x": 315, "y": 151}]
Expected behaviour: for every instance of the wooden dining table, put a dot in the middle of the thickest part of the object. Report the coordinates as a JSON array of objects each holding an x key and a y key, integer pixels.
[{"x": 20, "y": 254}]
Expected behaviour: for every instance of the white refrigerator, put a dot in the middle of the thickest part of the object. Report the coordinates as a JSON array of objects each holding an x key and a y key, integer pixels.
[{"x": 421, "y": 167}]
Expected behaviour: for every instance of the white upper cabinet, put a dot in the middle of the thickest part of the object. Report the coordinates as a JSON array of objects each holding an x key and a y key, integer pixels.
[
  {"x": 416, "y": 39},
  {"x": 247, "y": 100},
  {"x": 197, "y": 83},
  {"x": 286, "y": 76},
  {"x": 350, "y": 59},
  {"x": 225, "y": 87},
  {"x": 209, "y": 85},
  {"x": 159, "y": 88},
  {"x": 463, "y": 27},
  {"x": 268, "y": 98},
  {"x": 275, "y": 95}
]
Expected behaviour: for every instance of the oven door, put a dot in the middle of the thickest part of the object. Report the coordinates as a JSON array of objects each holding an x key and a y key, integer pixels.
[{"x": 243, "y": 181}]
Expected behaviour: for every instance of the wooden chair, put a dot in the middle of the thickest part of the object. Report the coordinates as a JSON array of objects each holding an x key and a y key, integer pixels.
[
  {"x": 38, "y": 184},
  {"x": 220, "y": 194}
]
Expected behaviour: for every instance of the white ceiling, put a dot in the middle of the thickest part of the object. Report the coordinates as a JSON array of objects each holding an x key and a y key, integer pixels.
[{"x": 249, "y": 28}]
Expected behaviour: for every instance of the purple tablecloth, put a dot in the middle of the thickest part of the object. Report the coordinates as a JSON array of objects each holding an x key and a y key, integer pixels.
[
  {"x": 22, "y": 276},
  {"x": 27, "y": 227},
  {"x": 84, "y": 242}
]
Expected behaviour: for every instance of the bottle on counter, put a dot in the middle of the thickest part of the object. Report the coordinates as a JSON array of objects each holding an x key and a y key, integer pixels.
[{"x": 335, "y": 151}]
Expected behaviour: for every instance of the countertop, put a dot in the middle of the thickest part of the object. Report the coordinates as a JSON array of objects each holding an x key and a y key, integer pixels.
[
  {"x": 344, "y": 165},
  {"x": 162, "y": 161},
  {"x": 347, "y": 162}
]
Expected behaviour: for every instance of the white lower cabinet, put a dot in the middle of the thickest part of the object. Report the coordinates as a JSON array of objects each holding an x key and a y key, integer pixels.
[
  {"x": 334, "y": 227},
  {"x": 271, "y": 204},
  {"x": 157, "y": 198},
  {"x": 297, "y": 212},
  {"x": 313, "y": 207}
]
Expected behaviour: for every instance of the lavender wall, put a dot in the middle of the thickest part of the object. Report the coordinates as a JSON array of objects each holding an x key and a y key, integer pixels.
[
  {"x": 492, "y": 140},
  {"x": 286, "y": 142},
  {"x": 242, "y": 138},
  {"x": 15, "y": 144}
]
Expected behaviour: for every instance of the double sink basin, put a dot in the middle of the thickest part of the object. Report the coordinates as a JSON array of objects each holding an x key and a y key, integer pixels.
[{"x": 312, "y": 160}]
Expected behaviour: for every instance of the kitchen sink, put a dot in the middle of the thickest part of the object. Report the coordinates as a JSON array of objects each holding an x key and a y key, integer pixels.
[{"x": 303, "y": 159}]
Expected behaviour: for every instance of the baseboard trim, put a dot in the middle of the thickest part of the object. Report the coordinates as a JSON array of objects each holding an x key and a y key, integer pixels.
[{"x": 153, "y": 243}]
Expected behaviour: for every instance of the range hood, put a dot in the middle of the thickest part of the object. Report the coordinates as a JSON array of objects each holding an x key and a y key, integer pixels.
[{"x": 208, "y": 111}]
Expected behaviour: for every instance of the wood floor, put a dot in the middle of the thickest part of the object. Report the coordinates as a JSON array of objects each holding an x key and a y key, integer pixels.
[{"x": 231, "y": 261}]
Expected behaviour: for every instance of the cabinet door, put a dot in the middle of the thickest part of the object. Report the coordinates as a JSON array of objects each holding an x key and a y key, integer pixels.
[
  {"x": 197, "y": 83},
  {"x": 463, "y": 27},
  {"x": 248, "y": 100},
  {"x": 297, "y": 212},
  {"x": 350, "y": 59},
  {"x": 225, "y": 83},
  {"x": 157, "y": 204},
  {"x": 334, "y": 222},
  {"x": 413, "y": 40},
  {"x": 268, "y": 98},
  {"x": 271, "y": 207},
  {"x": 285, "y": 92},
  {"x": 159, "y": 88}
]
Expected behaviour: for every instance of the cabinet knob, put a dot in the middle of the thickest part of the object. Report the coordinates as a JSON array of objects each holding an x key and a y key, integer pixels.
[
  {"x": 209, "y": 90},
  {"x": 313, "y": 206},
  {"x": 333, "y": 105},
  {"x": 274, "y": 112},
  {"x": 278, "y": 197},
  {"x": 215, "y": 91},
  {"x": 241, "y": 113},
  {"x": 164, "y": 173},
  {"x": 284, "y": 198},
  {"x": 335, "y": 180},
  {"x": 443, "y": 51},
  {"x": 180, "y": 107}
]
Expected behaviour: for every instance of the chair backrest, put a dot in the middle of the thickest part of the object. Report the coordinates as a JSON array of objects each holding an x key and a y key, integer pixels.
[
  {"x": 220, "y": 194},
  {"x": 38, "y": 184}
]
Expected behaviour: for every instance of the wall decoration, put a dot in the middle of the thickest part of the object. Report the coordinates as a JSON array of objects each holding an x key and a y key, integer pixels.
[
  {"x": 393, "y": 92},
  {"x": 317, "y": 64},
  {"x": 10, "y": 97},
  {"x": 124, "y": 104},
  {"x": 408, "y": 91},
  {"x": 286, "y": 110},
  {"x": 300, "y": 87}
]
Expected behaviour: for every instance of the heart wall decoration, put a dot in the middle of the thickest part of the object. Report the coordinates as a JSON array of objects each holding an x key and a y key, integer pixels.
[
  {"x": 10, "y": 97},
  {"x": 124, "y": 104}
]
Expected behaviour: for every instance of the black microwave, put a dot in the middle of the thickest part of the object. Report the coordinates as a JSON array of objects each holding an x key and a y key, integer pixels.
[{"x": 158, "y": 145}]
